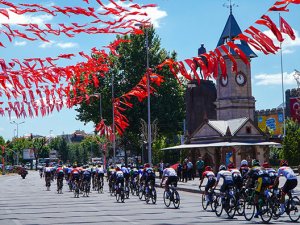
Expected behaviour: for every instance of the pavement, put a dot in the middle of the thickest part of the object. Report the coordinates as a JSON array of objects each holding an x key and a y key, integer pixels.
[{"x": 192, "y": 186}]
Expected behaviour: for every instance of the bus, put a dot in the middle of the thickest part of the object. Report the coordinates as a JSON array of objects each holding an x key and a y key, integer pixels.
[{"x": 43, "y": 161}]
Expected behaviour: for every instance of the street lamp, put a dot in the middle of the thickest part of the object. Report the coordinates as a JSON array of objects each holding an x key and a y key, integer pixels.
[
  {"x": 100, "y": 104},
  {"x": 14, "y": 122},
  {"x": 148, "y": 94}
]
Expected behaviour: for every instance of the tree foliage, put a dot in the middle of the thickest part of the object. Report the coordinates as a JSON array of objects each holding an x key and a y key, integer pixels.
[
  {"x": 167, "y": 103},
  {"x": 291, "y": 143}
]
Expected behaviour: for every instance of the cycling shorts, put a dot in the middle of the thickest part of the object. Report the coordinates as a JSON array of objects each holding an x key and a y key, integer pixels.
[
  {"x": 210, "y": 183},
  {"x": 289, "y": 185}
]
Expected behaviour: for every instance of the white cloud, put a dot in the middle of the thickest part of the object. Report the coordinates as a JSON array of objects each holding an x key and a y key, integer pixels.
[
  {"x": 153, "y": 13},
  {"x": 47, "y": 44},
  {"x": 274, "y": 79},
  {"x": 288, "y": 45},
  {"x": 25, "y": 19},
  {"x": 67, "y": 45},
  {"x": 20, "y": 43}
]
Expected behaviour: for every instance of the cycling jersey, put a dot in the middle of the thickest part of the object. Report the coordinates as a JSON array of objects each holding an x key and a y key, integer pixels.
[
  {"x": 227, "y": 179},
  {"x": 244, "y": 170},
  {"x": 287, "y": 172},
  {"x": 169, "y": 172},
  {"x": 211, "y": 179}
]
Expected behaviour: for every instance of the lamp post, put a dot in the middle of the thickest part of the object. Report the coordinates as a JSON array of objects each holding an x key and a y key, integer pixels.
[
  {"x": 14, "y": 122},
  {"x": 113, "y": 119},
  {"x": 148, "y": 93}
]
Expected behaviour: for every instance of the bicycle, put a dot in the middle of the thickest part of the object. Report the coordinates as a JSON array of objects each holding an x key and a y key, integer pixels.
[
  {"x": 86, "y": 188},
  {"x": 212, "y": 196},
  {"x": 120, "y": 193},
  {"x": 48, "y": 183},
  {"x": 171, "y": 195},
  {"x": 150, "y": 194},
  {"x": 76, "y": 189},
  {"x": 100, "y": 185},
  {"x": 292, "y": 206},
  {"x": 227, "y": 202},
  {"x": 264, "y": 206},
  {"x": 127, "y": 191},
  {"x": 59, "y": 185},
  {"x": 142, "y": 191}
]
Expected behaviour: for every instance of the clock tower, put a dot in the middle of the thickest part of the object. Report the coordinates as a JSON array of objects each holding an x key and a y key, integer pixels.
[{"x": 234, "y": 92}]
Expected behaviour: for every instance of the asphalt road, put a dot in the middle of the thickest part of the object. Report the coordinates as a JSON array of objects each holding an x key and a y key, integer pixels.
[{"x": 26, "y": 202}]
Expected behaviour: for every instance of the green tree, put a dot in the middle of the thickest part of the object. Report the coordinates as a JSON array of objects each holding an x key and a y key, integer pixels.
[
  {"x": 167, "y": 104},
  {"x": 39, "y": 146},
  {"x": 17, "y": 145},
  {"x": 291, "y": 143},
  {"x": 60, "y": 144}
]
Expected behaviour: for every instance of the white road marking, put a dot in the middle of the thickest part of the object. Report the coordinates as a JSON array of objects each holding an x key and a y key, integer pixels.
[{"x": 17, "y": 222}]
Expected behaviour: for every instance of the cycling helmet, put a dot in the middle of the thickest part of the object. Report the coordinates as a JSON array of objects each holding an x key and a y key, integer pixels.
[
  {"x": 141, "y": 167},
  {"x": 244, "y": 162},
  {"x": 266, "y": 165},
  {"x": 230, "y": 166},
  {"x": 208, "y": 168},
  {"x": 147, "y": 165},
  {"x": 255, "y": 162},
  {"x": 284, "y": 163},
  {"x": 222, "y": 167}
]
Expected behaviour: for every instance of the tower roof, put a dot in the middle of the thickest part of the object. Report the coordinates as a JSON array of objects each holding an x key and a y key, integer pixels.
[{"x": 230, "y": 31}]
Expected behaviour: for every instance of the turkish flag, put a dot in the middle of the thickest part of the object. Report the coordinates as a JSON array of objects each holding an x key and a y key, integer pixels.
[
  {"x": 285, "y": 28},
  {"x": 252, "y": 42},
  {"x": 272, "y": 26},
  {"x": 222, "y": 62},
  {"x": 191, "y": 63},
  {"x": 234, "y": 64},
  {"x": 238, "y": 51}
]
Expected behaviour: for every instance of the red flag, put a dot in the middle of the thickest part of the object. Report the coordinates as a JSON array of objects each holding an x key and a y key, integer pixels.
[
  {"x": 222, "y": 62},
  {"x": 266, "y": 21},
  {"x": 285, "y": 28},
  {"x": 252, "y": 42},
  {"x": 191, "y": 63},
  {"x": 234, "y": 64},
  {"x": 183, "y": 71},
  {"x": 281, "y": 9},
  {"x": 238, "y": 51}
]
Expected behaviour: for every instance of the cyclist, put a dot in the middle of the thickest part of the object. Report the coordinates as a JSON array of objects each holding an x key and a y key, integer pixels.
[
  {"x": 227, "y": 180},
  {"x": 47, "y": 172},
  {"x": 119, "y": 177},
  {"x": 149, "y": 175},
  {"x": 125, "y": 173},
  {"x": 171, "y": 176},
  {"x": 211, "y": 180},
  {"x": 236, "y": 176},
  {"x": 258, "y": 178},
  {"x": 290, "y": 184},
  {"x": 75, "y": 173},
  {"x": 60, "y": 175},
  {"x": 244, "y": 168},
  {"x": 272, "y": 172},
  {"x": 100, "y": 174}
]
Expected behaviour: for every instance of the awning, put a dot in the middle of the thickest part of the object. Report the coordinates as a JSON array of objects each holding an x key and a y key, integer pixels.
[{"x": 221, "y": 144}]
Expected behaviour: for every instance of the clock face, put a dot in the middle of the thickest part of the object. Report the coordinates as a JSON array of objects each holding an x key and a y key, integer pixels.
[
  {"x": 224, "y": 80},
  {"x": 241, "y": 79}
]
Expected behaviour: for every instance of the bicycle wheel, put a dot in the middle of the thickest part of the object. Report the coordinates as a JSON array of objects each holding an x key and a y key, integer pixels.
[
  {"x": 127, "y": 192},
  {"x": 231, "y": 207},
  {"x": 218, "y": 207},
  {"x": 147, "y": 197},
  {"x": 166, "y": 197},
  {"x": 204, "y": 201},
  {"x": 294, "y": 208},
  {"x": 240, "y": 206},
  {"x": 249, "y": 209},
  {"x": 176, "y": 199},
  {"x": 141, "y": 193},
  {"x": 265, "y": 211},
  {"x": 122, "y": 196},
  {"x": 154, "y": 196},
  {"x": 117, "y": 197}
]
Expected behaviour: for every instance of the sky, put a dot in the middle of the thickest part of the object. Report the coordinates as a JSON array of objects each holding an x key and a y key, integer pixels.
[{"x": 182, "y": 27}]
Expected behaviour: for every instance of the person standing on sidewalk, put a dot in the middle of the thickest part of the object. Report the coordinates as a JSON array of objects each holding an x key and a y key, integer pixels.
[
  {"x": 161, "y": 169},
  {"x": 184, "y": 171},
  {"x": 190, "y": 169},
  {"x": 179, "y": 171},
  {"x": 200, "y": 167}
]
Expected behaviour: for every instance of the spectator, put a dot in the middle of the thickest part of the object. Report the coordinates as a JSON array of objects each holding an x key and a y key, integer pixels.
[
  {"x": 161, "y": 169},
  {"x": 189, "y": 169},
  {"x": 200, "y": 167},
  {"x": 179, "y": 171},
  {"x": 184, "y": 171}
]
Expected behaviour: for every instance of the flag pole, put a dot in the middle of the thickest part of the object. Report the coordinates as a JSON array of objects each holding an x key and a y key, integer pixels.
[{"x": 282, "y": 88}]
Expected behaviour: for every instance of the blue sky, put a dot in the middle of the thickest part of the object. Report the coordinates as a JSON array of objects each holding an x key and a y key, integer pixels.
[{"x": 182, "y": 26}]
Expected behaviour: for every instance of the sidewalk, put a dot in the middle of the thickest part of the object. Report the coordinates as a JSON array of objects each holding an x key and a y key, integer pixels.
[{"x": 193, "y": 185}]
